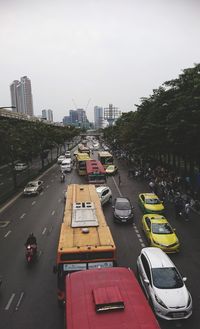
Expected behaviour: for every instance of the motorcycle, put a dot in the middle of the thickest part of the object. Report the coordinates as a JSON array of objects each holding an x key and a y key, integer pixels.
[
  {"x": 31, "y": 253},
  {"x": 62, "y": 178}
]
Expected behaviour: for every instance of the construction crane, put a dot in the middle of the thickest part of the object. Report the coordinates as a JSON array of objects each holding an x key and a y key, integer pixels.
[{"x": 87, "y": 104}]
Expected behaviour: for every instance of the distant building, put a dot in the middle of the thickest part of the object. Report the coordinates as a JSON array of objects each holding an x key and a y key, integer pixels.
[
  {"x": 111, "y": 114},
  {"x": 47, "y": 115},
  {"x": 99, "y": 121},
  {"x": 77, "y": 118},
  {"x": 21, "y": 96}
]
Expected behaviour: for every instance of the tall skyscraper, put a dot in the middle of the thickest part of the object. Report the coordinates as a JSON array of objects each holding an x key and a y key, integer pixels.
[
  {"x": 47, "y": 115},
  {"x": 99, "y": 121},
  {"x": 21, "y": 96}
]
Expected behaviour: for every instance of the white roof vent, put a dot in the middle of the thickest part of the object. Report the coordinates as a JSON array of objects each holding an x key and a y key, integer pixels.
[{"x": 84, "y": 215}]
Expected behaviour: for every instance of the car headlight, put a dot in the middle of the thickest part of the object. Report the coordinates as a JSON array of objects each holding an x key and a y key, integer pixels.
[{"x": 159, "y": 301}]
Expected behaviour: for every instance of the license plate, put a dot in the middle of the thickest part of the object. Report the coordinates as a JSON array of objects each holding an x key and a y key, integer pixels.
[
  {"x": 178, "y": 315},
  {"x": 124, "y": 220}
]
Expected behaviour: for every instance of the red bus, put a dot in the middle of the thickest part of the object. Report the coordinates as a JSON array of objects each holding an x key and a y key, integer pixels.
[
  {"x": 104, "y": 298},
  {"x": 95, "y": 172}
]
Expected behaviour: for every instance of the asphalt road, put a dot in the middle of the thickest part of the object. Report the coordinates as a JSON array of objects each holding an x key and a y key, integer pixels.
[{"x": 28, "y": 297}]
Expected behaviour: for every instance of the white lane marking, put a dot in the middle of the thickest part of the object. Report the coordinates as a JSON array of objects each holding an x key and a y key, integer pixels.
[
  {"x": 47, "y": 186},
  {"x": 143, "y": 245},
  {"x": 52, "y": 180},
  {"x": 117, "y": 186},
  {"x": 19, "y": 301},
  {"x": 59, "y": 200},
  {"x": 9, "y": 302},
  {"x": 53, "y": 212},
  {"x": 5, "y": 236},
  {"x": 23, "y": 215},
  {"x": 42, "y": 193},
  {"x": 40, "y": 253},
  {"x": 2, "y": 183},
  {"x": 43, "y": 232},
  {"x": 33, "y": 203}
]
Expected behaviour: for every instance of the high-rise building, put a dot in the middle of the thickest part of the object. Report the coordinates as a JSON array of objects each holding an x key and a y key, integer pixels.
[
  {"x": 21, "y": 96},
  {"x": 99, "y": 121},
  {"x": 47, "y": 115}
]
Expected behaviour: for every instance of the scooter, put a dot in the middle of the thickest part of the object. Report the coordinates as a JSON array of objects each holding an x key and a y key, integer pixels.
[
  {"x": 31, "y": 253},
  {"x": 62, "y": 178}
]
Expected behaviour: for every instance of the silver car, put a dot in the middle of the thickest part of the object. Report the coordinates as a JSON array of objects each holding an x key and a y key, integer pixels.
[
  {"x": 33, "y": 188},
  {"x": 163, "y": 285}
]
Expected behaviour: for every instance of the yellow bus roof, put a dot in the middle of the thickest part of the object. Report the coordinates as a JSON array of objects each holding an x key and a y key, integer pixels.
[
  {"x": 104, "y": 154},
  {"x": 82, "y": 156},
  {"x": 84, "y": 226}
]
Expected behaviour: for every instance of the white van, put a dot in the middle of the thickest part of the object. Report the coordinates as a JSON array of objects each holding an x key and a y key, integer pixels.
[{"x": 66, "y": 165}]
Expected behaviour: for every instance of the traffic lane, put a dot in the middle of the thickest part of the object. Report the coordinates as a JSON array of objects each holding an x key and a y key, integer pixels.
[
  {"x": 127, "y": 237},
  {"x": 36, "y": 286},
  {"x": 17, "y": 284}
]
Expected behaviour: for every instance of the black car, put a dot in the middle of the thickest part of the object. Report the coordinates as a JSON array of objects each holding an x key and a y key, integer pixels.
[{"x": 122, "y": 210}]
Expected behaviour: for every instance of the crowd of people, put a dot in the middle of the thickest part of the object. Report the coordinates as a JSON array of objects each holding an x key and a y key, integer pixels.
[{"x": 166, "y": 183}]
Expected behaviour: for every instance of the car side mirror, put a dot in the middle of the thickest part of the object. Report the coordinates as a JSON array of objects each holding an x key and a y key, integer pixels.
[
  {"x": 55, "y": 269},
  {"x": 184, "y": 279},
  {"x": 174, "y": 229}
]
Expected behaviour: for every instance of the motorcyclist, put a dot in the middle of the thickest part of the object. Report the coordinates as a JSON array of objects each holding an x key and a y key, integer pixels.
[
  {"x": 31, "y": 240},
  {"x": 62, "y": 178}
]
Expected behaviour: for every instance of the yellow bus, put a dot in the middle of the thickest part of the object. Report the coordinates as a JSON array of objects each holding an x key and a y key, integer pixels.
[
  {"x": 105, "y": 158},
  {"x": 85, "y": 239},
  {"x": 81, "y": 159}
]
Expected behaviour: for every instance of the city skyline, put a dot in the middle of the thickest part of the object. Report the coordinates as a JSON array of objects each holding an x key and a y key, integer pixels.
[{"x": 107, "y": 52}]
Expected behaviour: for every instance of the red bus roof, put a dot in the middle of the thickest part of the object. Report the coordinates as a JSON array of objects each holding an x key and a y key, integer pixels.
[
  {"x": 90, "y": 294},
  {"x": 94, "y": 166}
]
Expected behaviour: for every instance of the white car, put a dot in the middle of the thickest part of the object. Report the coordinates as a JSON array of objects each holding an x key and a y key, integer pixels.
[
  {"x": 33, "y": 187},
  {"x": 61, "y": 158},
  {"x": 68, "y": 154},
  {"x": 163, "y": 285},
  {"x": 66, "y": 165},
  {"x": 104, "y": 193},
  {"x": 21, "y": 166}
]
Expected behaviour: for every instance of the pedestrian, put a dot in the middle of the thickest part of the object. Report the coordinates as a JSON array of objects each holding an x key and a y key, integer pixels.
[
  {"x": 119, "y": 180},
  {"x": 178, "y": 207},
  {"x": 187, "y": 210}
]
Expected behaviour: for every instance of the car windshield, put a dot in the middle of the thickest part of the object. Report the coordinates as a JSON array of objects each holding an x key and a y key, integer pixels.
[
  {"x": 110, "y": 168},
  {"x": 166, "y": 278},
  {"x": 161, "y": 228},
  {"x": 122, "y": 205},
  {"x": 152, "y": 201},
  {"x": 31, "y": 184}
]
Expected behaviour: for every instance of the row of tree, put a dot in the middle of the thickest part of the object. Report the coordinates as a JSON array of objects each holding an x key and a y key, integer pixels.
[
  {"x": 24, "y": 140},
  {"x": 166, "y": 125}
]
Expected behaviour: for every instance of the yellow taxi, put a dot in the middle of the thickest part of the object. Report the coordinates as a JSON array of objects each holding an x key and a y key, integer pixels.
[
  {"x": 159, "y": 233},
  {"x": 150, "y": 203},
  {"x": 111, "y": 170}
]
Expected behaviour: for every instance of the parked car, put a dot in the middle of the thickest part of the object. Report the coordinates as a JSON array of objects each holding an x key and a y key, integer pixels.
[
  {"x": 61, "y": 158},
  {"x": 150, "y": 203},
  {"x": 20, "y": 166},
  {"x": 34, "y": 187},
  {"x": 104, "y": 193},
  {"x": 66, "y": 165},
  {"x": 159, "y": 233},
  {"x": 163, "y": 285},
  {"x": 122, "y": 210}
]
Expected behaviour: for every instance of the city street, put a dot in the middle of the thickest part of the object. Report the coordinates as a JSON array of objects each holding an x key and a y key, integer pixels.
[{"x": 28, "y": 294}]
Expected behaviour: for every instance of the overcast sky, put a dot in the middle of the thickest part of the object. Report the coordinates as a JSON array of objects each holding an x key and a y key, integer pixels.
[{"x": 95, "y": 52}]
